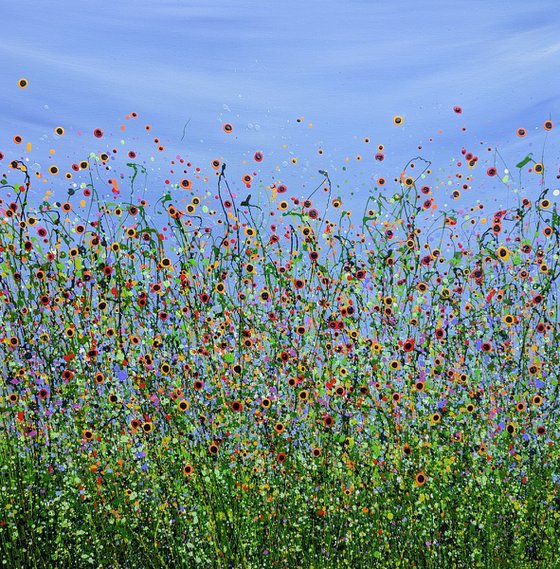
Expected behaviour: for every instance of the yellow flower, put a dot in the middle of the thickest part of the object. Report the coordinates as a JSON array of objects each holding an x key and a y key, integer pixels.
[
  {"x": 503, "y": 253},
  {"x": 508, "y": 319}
]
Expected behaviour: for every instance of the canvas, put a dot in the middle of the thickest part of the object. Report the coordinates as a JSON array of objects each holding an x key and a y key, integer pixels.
[{"x": 279, "y": 284}]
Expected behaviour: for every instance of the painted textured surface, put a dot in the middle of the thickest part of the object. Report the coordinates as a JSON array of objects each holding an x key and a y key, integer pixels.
[{"x": 340, "y": 350}]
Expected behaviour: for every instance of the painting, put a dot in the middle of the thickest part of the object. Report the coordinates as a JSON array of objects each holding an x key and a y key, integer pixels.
[{"x": 279, "y": 284}]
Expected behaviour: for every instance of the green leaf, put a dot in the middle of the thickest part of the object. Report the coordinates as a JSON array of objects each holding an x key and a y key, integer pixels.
[
  {"x": 229, "y": 358},
  {"x": 456, "y": 259},
  {"x": 525, "y": 160}
]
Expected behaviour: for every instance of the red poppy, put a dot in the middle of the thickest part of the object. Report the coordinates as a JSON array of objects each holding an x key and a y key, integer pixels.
[{"x": 408, "y": 345}]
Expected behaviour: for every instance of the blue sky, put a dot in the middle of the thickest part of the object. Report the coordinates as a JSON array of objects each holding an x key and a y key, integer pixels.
[{"x": 346, "y": 67}]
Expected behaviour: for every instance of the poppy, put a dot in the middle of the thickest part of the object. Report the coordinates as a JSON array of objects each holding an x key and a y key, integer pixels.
[
  {"x": 521, "y": 132},
  {"x": 213, "y": 449},
  {"x": 316, "y": 452},
  {"x": 279, "y": 427},
  {"x": 247, "y": 179},
  {"x": 408, "y": 345},
  {"x": 548, "y": 125},
  {"x": 420, "y": 479},
  {"x": 236, "y": 406},
  {"x": 340, "y": 391},
  {"x": 328, "y": 421},
  {"x": 398, "y": 120},
  {"x": 228, "y": 127},
  {"x": 541, "y": 429},
  {"x": 188, "y": 469}
]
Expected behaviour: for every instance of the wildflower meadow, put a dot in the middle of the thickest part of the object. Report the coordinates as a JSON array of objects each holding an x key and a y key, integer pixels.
[{"x": 236, "y": 375}]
